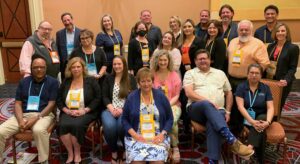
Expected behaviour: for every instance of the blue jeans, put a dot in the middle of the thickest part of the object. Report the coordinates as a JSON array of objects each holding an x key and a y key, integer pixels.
[
  {"x": 205, "y": 113},
  {"x": 113, "y": 130}
]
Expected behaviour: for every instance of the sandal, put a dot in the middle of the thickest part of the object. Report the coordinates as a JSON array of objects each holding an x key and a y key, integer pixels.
[
  {"x": 114, "y": 160},
  {"x": 176, "y": 155}
]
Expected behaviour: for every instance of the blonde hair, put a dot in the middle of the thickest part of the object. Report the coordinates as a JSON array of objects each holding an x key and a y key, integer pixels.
[
  {"x": 155, "y": 60},
  {"x": 144, "y": 73},
  {"x": 68, "y": 73}
]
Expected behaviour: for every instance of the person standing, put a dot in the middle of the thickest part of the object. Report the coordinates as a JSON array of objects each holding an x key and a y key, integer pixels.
[
  {"x": 40, "y": 43},
  {"x": 67, "y": 39},
  {"x": 226, "y": 14},
  {"x": 201, "y": 27},
  {"x": 110, "y": 39},
  {"x": 264, "y": 32}
]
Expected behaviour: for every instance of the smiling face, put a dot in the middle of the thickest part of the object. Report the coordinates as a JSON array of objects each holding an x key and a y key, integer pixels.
[
  {"x": 174, "y": 25},
  {"x": 204, "y": 17},
  {"x": 163, "y": 62},
  {"x": 226, "y": 15},
  {"x": 270, "y": 16},
  {"x": 167, "y": 40},
  {"x": 254, "y": 75},
  {"x": 146, "y": 17},
  {"x": 212, "y": 30},
  {"x": 188, "y": 29},
  {"x": 68, "y": 22},
  {"x": 202, "y": 61},
  {"x": 76, "y": 69},
  {"x": 118, "y": 65},
  {"x": 38, "y": 68},
  {"x": 107, "y": 23},
  {"x": 145, "y": 84},
  {"x": 44, "y": 30},
  {"x": 244, "y": 32},
  {"x": 281, "y": 33},
  {"x": 85, "y": 40}
]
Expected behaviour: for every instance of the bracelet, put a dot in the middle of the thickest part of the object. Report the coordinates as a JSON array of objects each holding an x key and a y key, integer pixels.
[{"x": 227, "y": 112}]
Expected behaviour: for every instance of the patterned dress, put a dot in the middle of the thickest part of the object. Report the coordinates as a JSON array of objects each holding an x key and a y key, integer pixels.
[{"x": 138, "y": 151}]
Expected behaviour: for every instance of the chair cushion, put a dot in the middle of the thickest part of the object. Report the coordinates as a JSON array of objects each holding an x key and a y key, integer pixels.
[{"x": 275, "y": 133}]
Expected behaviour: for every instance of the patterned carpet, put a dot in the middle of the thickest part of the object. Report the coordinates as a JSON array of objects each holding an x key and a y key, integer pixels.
[{"x": 290, "y": 120}]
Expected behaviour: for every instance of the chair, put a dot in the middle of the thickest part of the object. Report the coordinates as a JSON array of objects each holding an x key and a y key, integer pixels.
[
  {"x": 275, "y": 132},
  {"x": 101, "y": 141},
  {"x": 27, "y": 135},
  {"x": 91, "y": 128},
  {"x": 196, "y": 128}
]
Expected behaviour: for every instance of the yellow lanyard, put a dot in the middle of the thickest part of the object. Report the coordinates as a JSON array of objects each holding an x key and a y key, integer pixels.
[
  {"x": 115, "y": 37},
  {"x": 150, "y": 104}
]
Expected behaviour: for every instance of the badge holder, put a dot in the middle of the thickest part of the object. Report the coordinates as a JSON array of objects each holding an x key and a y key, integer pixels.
[
  {"x": 145, "y": 57},
  {"x": 92, "y": 70},
  {"x": 33, "y": 101},
  {"x": 237, "y": 58},
  {"x": 226, "y": 41},
  {"x": 147, "y": 126},
  {"x": 74, "y": 102},
  {"x": 54, "y": 57},
  {"x": 117, "y": 49}
]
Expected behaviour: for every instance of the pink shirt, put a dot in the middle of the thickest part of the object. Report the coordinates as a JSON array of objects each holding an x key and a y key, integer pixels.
[{"x": 173, "y": 83}]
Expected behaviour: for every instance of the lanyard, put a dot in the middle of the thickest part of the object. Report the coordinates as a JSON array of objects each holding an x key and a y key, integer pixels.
[
  {"x": 272, "y": 53},
  {"x": 211, "y": 46},
  {"x": 228, "y": 34},
  {"x": 265, "y": 36},
  {"x": 88, "y": 61},
  {"x": 141, "y": 45},
  {"x": 150, "y": 104},
  {"x": 254, "y": 98},
  {"x": 30, "y": 89},
  {"x": 115, "y": 37}
]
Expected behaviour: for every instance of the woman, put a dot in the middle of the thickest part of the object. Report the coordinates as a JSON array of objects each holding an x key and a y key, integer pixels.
[
  {"x": 116, "y": 88},
  {"x": 139, "y": 52},
  {"x": 255, "y": 102},
  {"x": 168, "y": 43},
  {"x": 216, "y": 45},
  {"x": 93, "y": 56},
  {"x": 147, "y": 118},
  {"x": 284, "y": 59},
  {"x": 175, "y": 27},
  {"x": 190, "y": 45},
  {"x": 110, "y": 39},
  {"x": 78, "y": 100},
  {"x": 170, "y": 83}
]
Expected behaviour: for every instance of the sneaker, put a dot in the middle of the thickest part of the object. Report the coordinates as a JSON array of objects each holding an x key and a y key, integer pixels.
[{"x": 241, "y": 150}]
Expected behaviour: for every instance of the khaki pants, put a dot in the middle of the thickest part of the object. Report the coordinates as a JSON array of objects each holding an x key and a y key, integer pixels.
[{"x": 40, "y": 134}]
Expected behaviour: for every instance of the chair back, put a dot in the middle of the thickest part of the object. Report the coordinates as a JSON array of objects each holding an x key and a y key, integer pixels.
[{"x": 276, "y": 91}]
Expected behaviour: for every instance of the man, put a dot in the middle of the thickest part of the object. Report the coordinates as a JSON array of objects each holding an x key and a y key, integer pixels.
[
  {"x": 201, "y": 27},
  {"x": 205, "y": 88},
  {"x": 154, "y": 33},
  {"x": 35, "y": 101},
  {"x": 226, "y": 14},
  {"x": 243, "y": 51},
  {"x": 263, "y": 33},
  {"x": 40, "y": 43},
  {"x": 67, "y": 39}
]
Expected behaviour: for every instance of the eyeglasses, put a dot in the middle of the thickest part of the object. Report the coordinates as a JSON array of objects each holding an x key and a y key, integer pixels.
[
  {"x": 83, "y": 38},
  {"x": 45, "y": 29},
  {"x": 38, "y": 67}
]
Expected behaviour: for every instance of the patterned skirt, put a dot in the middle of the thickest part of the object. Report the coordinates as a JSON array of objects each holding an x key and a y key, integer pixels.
[{"x": 138, "y": 151}]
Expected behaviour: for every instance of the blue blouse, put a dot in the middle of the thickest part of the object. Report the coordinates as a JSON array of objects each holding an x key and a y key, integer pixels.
[
  {"x": 107, "y": 42},
  {"x": 260, "y": 103}
]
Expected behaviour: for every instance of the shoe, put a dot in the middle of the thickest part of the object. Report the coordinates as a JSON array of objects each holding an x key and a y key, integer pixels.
[{"x": 241, "y": 150}]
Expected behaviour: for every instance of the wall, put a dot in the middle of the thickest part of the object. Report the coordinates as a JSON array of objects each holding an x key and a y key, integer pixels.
[{"x": 125, "y": 13}]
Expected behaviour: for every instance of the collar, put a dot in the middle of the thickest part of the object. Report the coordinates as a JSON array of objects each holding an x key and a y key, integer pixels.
[
  {"x": 72, "y": 30},
  {"x": 259, "y": 88},
  {"x": 45, "y": 78},
  {"x": 199, "y": 71}
]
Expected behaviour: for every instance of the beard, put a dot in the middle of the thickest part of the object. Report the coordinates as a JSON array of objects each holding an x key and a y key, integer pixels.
[{"x": 244, "y": 39}]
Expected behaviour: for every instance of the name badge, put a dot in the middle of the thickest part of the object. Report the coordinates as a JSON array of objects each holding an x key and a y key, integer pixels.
[
  {"x": 164, "y": 88},
  {"x": 33, "y": 103},
  {"x": 54, "y": 57},
  {"x": 237, "y": 58},
  {"x": 70, "y": 47},
  {"x": 147, "y": 126},
  {"x": 117, "y": 49},
  {"x": 92, "y": 70},
  {"x": 252, "y": 114},
  {"x": 145, "y": 57},
  {"x": 74, "y": 102}
]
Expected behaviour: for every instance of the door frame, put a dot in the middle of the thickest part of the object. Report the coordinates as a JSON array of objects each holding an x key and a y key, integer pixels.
[{"x": 36, "y": 16}]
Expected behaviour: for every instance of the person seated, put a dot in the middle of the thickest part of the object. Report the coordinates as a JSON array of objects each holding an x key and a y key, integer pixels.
[
  {"x": 255, "y": 102},
  {"x": 116, "y": 88},
  {"x": 78, "y": 100},
  {"x": 35, "y": 101},
  {"x": 147, "y": 118},
  {"x": 205, "y": 88},
  {"x": 166, "y": 79}
]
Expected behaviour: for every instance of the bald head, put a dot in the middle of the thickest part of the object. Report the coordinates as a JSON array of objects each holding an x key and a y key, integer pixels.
[
  {"x": 245, "y": 30},
  {"x": 44, "y": 30}
]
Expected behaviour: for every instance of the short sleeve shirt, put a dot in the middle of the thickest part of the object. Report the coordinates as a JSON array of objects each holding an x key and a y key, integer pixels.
[
  {"x": 263, "y": 95},
  {"x": 210, "y": 85},
  {"x": 48, "y": 93}
]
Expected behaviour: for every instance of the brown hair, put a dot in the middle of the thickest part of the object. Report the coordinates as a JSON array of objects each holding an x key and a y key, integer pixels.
[
  {"x": 137, "y": 25},
  {"x": 125, "y": 86},
  {"x": 73, "y": 60},
  {"x": 188, "y": 21},
  {"x": 87, "y": 32},
  {"x": 226, "y": 6},
  {"x": 173, "y": 45},
  {"x": 255, "y": 65},
  {"x": 218, "y": 24},
  {"x": 288, "y": 32},
  {"x": 143, "y": 73}
]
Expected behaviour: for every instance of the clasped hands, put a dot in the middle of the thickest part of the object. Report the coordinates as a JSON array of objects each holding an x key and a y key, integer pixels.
[
  {"x": 75, "y": 113},
  {"x": 260, "y": 125},
  {"x": 27, "y": 123},
  {"x": 156, "y": 140}
]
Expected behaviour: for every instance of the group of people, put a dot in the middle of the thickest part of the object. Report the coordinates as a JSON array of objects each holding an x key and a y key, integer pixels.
[{"x": 208, "y": 73}]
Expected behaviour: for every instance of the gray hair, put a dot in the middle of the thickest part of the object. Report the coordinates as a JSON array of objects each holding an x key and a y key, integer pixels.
[
  {"x": 156, "y": 58},
  {"x": 246, "y": 21}
]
